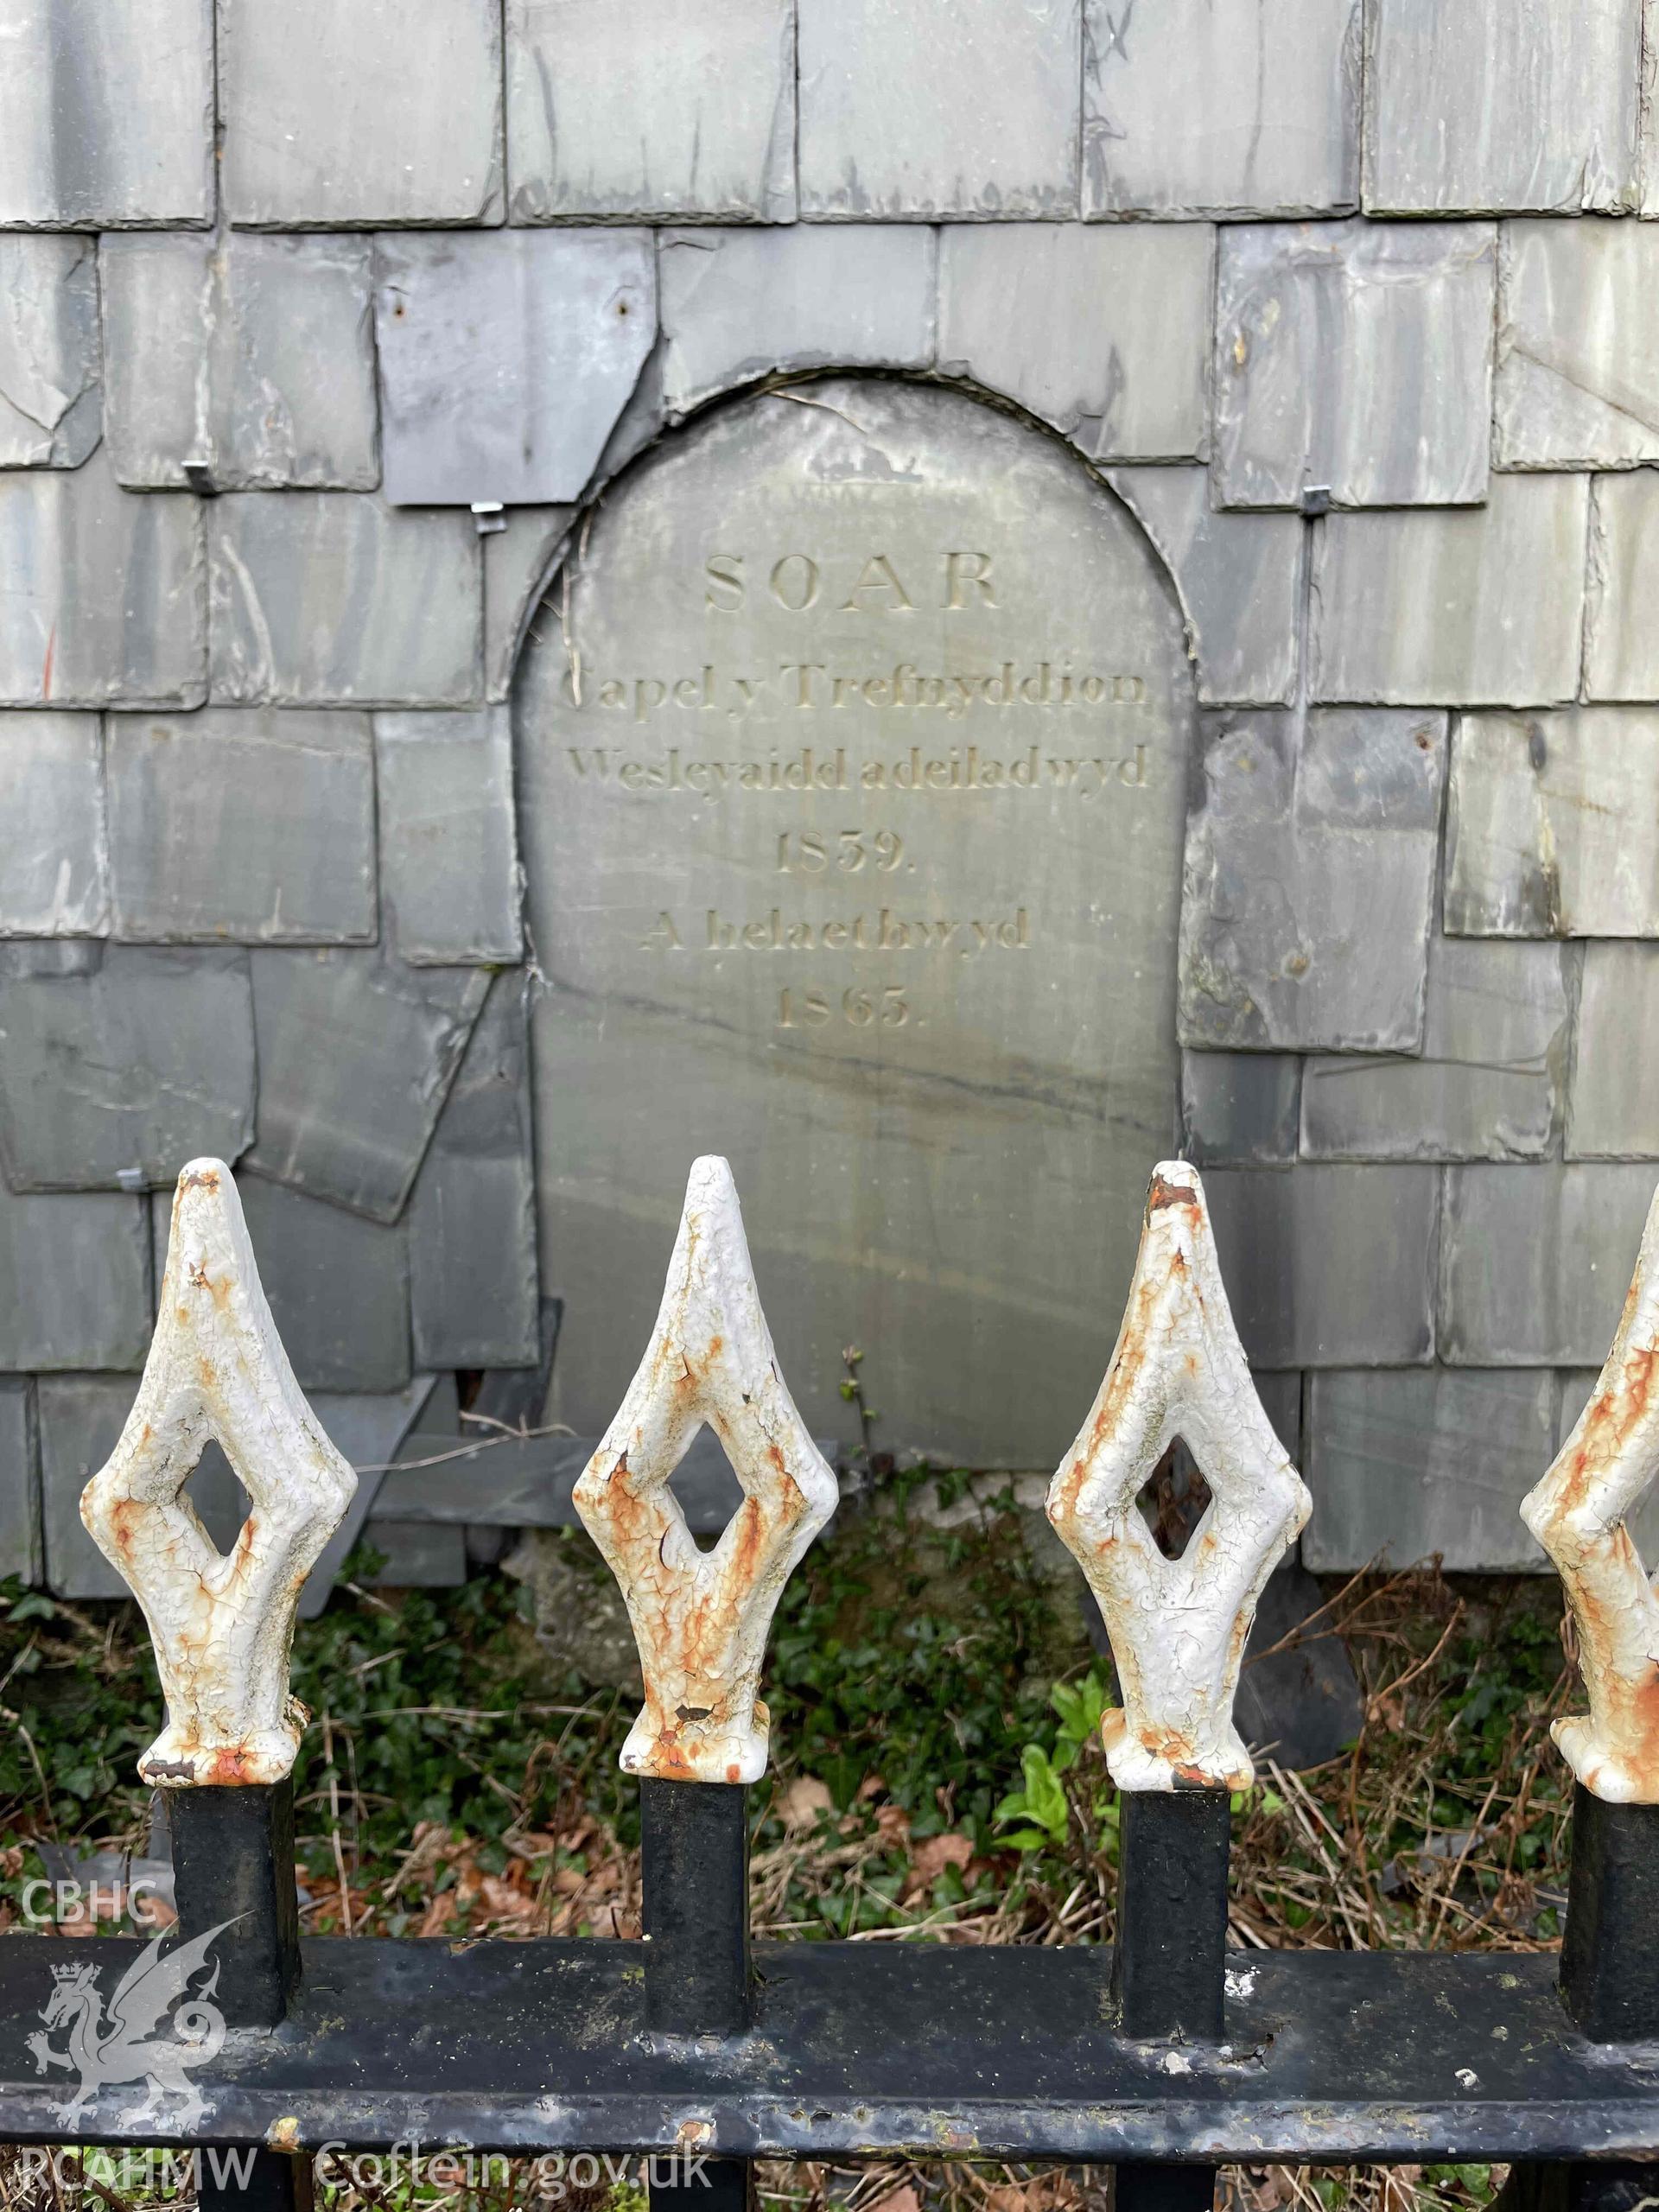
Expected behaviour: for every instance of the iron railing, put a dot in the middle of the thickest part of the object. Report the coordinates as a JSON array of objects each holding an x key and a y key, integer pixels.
[{"x": 1159, "y": 2058}]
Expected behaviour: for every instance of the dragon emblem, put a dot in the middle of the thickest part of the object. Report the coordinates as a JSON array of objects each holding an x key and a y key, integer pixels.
[{"x": 107, "y": 2049}]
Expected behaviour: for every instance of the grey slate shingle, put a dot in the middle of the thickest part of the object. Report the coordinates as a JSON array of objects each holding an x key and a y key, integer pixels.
[
  {"x": 49, "y": 956},
  {"x": 1309, "y": 879},
  {"x": 661, "y": 110},
  {"x": 1356, "y": 357},
  {"x": 1501, "y": 104},
  {"x": 336, "y": 599},
  {"x": 382, "y": 111},
  {"x": 20, "y": 1481},
  {"x": 239, "y": 363},
  {"x": 1535, "y": 1261},
  {"x": 472, "y": 1218},
  {"x": 74, "y": 1282},
  {"x": 738, "y": 303},
  {"x": 105, "y": 597},
  {"x": 1407, "y": 1466},
  {"x": 448, "y": 844},
  {"x": 1102, "y": 332},
  {"x": 1553, "y": 824},
  {"x": 1240, "y": 581},
  {"x": 357, "y": 1051},
  {"x": 1329, "y": 1267},
  {"x": 106, "y": 113},
  {"x": 1614, "y": 1111},
  {"x": 112, "y": 1081},
  {"x": 50, "y": 404},
  {"x": 506, "y": 357},
  {"x": 338, "y": 1286},
  {"x": 1490, "y": 1081},
  {"x": 516, "y": 559},
  {"x": 1240, "y": 1108},
  {"x": 939, "y": 108},
  {"x": 55, "y": 876},
  {"x": 1479, "y": 607},
  {"x": 251, "y": 825},
  {"x": 1199, "y": 110},
  {"x": 1578, "y": 345},
  {"x": 1621, "y": 645},
  {"x": 81, "y": 1417}
]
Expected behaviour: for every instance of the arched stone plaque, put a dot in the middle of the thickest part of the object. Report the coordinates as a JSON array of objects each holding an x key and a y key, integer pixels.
[{"x": 852, "y": 758}]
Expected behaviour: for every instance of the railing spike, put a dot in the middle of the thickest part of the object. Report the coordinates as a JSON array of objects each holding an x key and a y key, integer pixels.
[
  {"x": 1178, "y": 1626},
  {"x": 1579, "y": 1513},
  {"x": 222, "y": 1626},
  {"x": 701, "y": 1618}
]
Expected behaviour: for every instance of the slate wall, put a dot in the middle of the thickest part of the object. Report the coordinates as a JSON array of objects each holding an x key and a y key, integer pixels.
[{"x": 1354, "y": 304}]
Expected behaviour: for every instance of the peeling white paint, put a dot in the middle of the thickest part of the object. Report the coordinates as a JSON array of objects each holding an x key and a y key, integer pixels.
[
  {"x": 1177, "y": 1627},
  {"x": 701, "y": 1618},
  {"x": 1578, "y": 1513},
  {"x": 222, "y": 1627}
]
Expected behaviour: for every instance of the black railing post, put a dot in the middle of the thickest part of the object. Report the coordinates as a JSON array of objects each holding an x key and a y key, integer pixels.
[
  {"x": 1169, "y": 1963},
  {"x": 1610, "y": 1986},
  {"x": 233, "y": 1871},
  {"x": 695, "y": 1876}
]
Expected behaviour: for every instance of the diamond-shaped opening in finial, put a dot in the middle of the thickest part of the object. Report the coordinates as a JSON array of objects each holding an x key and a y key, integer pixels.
[
  {"x": 706, "y": 1491},
  {"x": 221, "y": 1504},
  {"x": 1173, "y": 1500}
]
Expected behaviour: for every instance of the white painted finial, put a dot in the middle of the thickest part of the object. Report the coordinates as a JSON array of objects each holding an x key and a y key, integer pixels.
[
  {"x": 701, "y": 1618},
  {"x": 1578, "y": 1513},
  {"x": 1178, "y": 1626},
  {"x": 222, "y": 1627}
]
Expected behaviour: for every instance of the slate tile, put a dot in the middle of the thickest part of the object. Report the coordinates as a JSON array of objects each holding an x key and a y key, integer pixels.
[
  {"x": 472, "y": 1218},
  {"x": 736, "y": 304},
  {"x": 1240, "y": 1108},
  {"x": 104, "y": 597},
  {"x": 337, "y": 1285},
  {"x": 240, "y": 362},
  {"x": 113, "y": 1081},
  {"x": 1102, "y": 332},
  {"x": 51, "y": 403},
  {"x": 251, "y": 825},
  {"x": 657, "y": 111},
  {"x": 416, "y": 1554},
  {"x": 348, "y": 117},
  {"x": 1614, "y": 1110},
  {"x": 81, "y": 1417},
  {"x": 1309, "y": 879},
  {"x": 1577, "y": 345},
  {"x": 1480, "y": 607},
  {"x": 1199, "y": 109},
  {"x": 1328, "y": 1266},
  {"x": 61, "y": 955},
  {"x": 505, "y": 357},
  {"x": 939, "y": 108},
  {"x": 1621, "y": 645},
  {"x": 53, "y": 864},
  {"x": 1501, "y": 104},
  {"x": 1239, "y": 577},
  {"x": 1535, "y": 1261},
  {"x": 20, "y": 1481},
  {"x": 74, "y": 1281},
  {"x": 1489, "y": 1083},
  {"x": 518, "y": 563},
  {"x": 1553, "y": 824},
  {"x": 357, "y": 1051},
  {"x": 1413, "y": 1464},
  {"x": 336, "y": 599},
  {"x": 368, "y": 1430},
  {"x": 448, "y": 847},
  {"x": 106, "y": 113},
  {"x": 1357, "y": 358}
]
